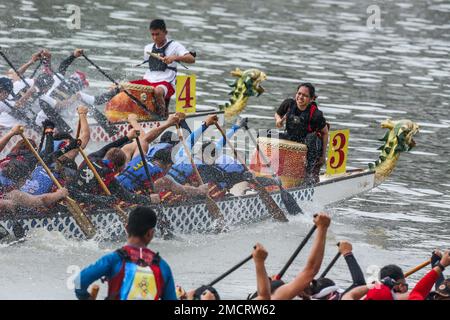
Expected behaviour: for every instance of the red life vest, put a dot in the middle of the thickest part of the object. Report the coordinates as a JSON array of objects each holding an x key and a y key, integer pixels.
[
  {"x": 133, "y": 254},
  {"x": 311, "y": 113}
]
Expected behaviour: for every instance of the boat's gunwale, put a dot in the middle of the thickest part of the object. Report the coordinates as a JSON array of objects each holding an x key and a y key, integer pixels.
[{"x": 62, "y": 215}]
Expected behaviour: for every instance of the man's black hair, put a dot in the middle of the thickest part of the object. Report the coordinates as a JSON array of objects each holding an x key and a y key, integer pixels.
[
  {"x": 392, "y": 271},
  {"x": 164, "y": 156},
  {"x": 318, "y": 285},
  {"x": 157, "y": 24},
  {"x": 140, "y": 220}
]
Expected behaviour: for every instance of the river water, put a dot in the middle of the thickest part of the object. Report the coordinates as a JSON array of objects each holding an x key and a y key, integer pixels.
[{"x": 363, "y": 75}]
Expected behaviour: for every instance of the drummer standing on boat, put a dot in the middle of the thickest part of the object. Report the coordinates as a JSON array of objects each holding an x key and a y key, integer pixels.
[
  {"x": 162, "y": 72},
  {"x": 306, "y": 124}
]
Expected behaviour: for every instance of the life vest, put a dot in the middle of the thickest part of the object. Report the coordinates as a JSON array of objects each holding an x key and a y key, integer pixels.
[
  {"x": 39, "y": 183},
  {"x": 86, "y": 178},
  {"x": 134, "y": 176},
  {"x": 63, "y": 91},
  {"x": 181, "y": 172},
  {"x": 298, "y": 127},
  {"x": 139, "y": 278},
  {"x": 156, "y": 64}
]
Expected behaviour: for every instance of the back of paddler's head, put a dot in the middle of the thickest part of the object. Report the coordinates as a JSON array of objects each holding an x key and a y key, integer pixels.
[
  {"x": 6, "y": 87},
  {"x": 117, "y": 157},
  {"x": 141, "y": 223}
]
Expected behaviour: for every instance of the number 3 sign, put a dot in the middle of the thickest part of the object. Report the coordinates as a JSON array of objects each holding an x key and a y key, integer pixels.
[
  {"x": 337, "y": 152},
  {"x": 185, "y": 93}
]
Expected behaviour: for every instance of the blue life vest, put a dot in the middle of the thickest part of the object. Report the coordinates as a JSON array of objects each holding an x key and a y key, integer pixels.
[
  {"x": 39, "y": 183},
  {"x": 134, "y": 176},
  {"x": 229, "y": 164}
]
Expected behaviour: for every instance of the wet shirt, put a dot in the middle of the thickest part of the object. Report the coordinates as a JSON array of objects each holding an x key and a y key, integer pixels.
[{"x": 174, "y": 48}]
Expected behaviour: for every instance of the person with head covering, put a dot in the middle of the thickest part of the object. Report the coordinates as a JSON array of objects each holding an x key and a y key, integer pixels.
[
  {"x": 279, "y": 290},
  {"x": 133, "y": 272},
  {"x": 326, "y": 289}
]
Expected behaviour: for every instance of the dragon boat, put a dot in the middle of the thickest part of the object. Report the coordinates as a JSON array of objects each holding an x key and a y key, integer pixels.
[{"x": 193, "y": 217}]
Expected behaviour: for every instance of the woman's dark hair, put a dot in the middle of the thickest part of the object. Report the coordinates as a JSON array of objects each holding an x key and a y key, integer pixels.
[
  {"x": 157, "y": 24},
  {"x": 15, "y": 170},
  {"x": 311, "y": 89},
  {"x": 22, "y": 148}
]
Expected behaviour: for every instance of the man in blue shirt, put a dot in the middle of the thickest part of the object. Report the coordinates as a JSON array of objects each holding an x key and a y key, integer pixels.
[{"x": 134, "y": 271}]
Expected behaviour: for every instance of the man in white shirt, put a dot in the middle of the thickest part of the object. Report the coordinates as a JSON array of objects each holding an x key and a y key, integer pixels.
[{"x": 162, "y": 71}]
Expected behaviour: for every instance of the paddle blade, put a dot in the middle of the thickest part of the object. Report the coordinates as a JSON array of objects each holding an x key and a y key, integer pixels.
[
  {"x": 271, "y": 205},
  {"x": 85, "y": 224},
  {"x": 289, "y": 202},
  {"x": 213, "y": 209}
]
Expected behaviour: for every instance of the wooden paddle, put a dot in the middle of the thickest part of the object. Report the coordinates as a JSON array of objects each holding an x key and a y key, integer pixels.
[
  {"x": 266, "y": 198},
  {"x": 85, "y": 224},
  {"x": 289, "y": 202},
  {"x": 211, "y": 205},
  {"x": 417, "y": 268},
  {"x": 136, "y": 100},
  {"x": 295, "y": 254}
]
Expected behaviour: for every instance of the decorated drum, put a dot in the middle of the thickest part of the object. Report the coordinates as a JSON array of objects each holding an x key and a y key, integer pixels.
[
  {"x": 287, "y": 160},
  {"x": 121, "y": 105}
]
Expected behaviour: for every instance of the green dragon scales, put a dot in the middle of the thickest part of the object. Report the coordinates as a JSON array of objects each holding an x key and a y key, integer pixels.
[
  {"x": 246, "y": 85},
  {"x": 398, "y": 139}
]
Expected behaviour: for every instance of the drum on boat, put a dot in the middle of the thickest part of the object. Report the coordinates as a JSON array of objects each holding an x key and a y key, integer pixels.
[
  {"x": 287, "y": 159},
  {"x": 121, "y": 105}
]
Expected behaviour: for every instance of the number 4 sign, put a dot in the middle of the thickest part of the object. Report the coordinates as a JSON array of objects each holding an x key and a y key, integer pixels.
[
  {"x": 185, "y": 93},
  {"x": 337, "y": 152}
]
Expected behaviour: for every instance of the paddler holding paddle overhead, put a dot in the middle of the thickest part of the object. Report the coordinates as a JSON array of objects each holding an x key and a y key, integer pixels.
[
  {"x": 305, "y": 124},
  {"x": 162, "y": 56}
]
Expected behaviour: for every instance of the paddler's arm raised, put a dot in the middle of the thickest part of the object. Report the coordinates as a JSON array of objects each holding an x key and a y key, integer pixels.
[
  {"x": 35, "y": 57},
  {"x": 85, "y": 132},
  {"x": 65, "y": 64},
  {"x": 292, "y": 289},
  {"x": 16, "y": 130}
]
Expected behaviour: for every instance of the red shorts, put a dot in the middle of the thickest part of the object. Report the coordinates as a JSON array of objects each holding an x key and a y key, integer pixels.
[{"x": 170, "y": 90}]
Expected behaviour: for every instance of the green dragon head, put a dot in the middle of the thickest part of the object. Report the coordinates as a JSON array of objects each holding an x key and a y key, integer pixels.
[
  {"x": 247, "y": 84},
  {"x": 398, "y": 139}
]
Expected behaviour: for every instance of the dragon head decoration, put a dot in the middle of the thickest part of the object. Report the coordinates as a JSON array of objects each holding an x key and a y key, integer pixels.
[
  {"x": 247, "y": 84},
  {"x": 398, "y": 139}
]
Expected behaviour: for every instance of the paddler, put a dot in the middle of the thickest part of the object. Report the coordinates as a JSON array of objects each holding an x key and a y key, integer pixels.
[
  {"x": 305, "y": 124},
  {"x": 133, "y": 271},
  {"x": 162, "y": 71}
]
